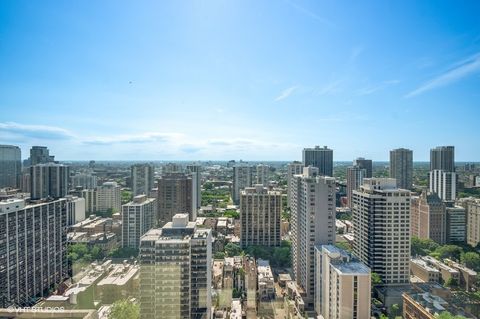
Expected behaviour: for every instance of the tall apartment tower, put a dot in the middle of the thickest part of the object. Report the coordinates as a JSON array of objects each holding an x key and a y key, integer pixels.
[
  {"x": 242, "y": 177},
  {"x": 138, "y": 217},
  {"x": 401, "y": 167},
  {"x": 321, "y": 158},
  {"x": 355, "y": 176},
  {"x": 444, "y": 184},
  {"x": 442, "y": 158},
  {"x": 40, "y": 155},
  {"x": 142, "y": 178},
  {"x": 313, "y": 223},
  {"x": 293, "y": 168},
  {"x": 91, "y": 198},
  {"x": 260, "y": 214},
  {"x": 263, "y": 172},
  {"x": 84, "y": 180},
  {"x": 10, "y": 166},
  {"x": 342, "y": 284},
  {"x": 381, "y": 223},
  {"x": 366, "y": 164},
  {"x": 49, "y": 180},
  {"x": 174, "y": 197},
  {"x": 196, "y": 171},
  {"x": 109, "y": 197},
  {"x": 428, "y": 217},
  {"x": 472, "y": 207},
  {"x": 33, "y": 250},
  {"x": 175, "y": 271},
  {"x": 456, "y": 224}
]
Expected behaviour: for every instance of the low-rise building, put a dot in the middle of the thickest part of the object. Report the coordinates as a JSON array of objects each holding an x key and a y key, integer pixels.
[
  {"x": 422, "y": 270},
  {"x": 266, "y": 284}
]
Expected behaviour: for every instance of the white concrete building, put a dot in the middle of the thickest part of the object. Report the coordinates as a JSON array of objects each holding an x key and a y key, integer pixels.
[
  {"x": 138, "y": 217},
  {"x": 109, "y": 197}
]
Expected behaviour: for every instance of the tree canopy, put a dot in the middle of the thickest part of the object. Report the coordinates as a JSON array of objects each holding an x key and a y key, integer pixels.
[{"x": 124, "y": 309}]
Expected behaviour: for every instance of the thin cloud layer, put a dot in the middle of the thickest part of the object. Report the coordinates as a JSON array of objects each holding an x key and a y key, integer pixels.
[
  {"x": 286, "y": 93},
  {"x": 35, "y": 131}
]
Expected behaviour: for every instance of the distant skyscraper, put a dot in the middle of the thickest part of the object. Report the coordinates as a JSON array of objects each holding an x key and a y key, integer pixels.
[
  {"x": 342, "y": 284},
  {"x": 84, "y": 180},
  {"x": 366, "y": 164},
  {"x": 10, "y": 166},
  {"x": 33, "y": 246},
  {"x": 242, "y": 177},
  {"x": 263, "y": 172},
  {"x": 174, "y": 197},
  {"x": 313, "y": 223},
  {"x": 428, "y": 217},
  {"x": 293, "y": 168},
  {"x": 40, "y": 155},
  {"x": 442, "y": 158},
  {"x": 176, "y": 271},
  {"x": 260, "y": 214},
  {"x": 355, "y": 176},
  {"x": 401, "y": 167},
  {"x": 91, "y": 199},
  {"x": 142, "y": 178},
  {"x": 49, "y": 180},
  {"x": 109, "y": 197},
  {"x": 138, "y": 217},
  {"x": 321, "y": 158},
  {"x": 444, "y": 184},
  {"x": 381, "y": 224},
  {"x": 196, "y": 171},
  {"x": 456, "y": 224}
]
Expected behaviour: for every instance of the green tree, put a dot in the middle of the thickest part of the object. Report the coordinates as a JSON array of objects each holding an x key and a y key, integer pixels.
[
  {"x": 123, "y": 252},
  {"x": 422, "y": 246},
  {"x": 232, "y": 249},
  {"x": 219, "y": 255},
  {"x": 471, "y": 260},
  {"x": 124, "y": 309},
  {"x": 451, "y": 282},
  {"x": 449, "y": 251},
  {"x": 394, "y": 311},
  {"x": 448, "y": 315},
  {"x": 376, "y": 279}
]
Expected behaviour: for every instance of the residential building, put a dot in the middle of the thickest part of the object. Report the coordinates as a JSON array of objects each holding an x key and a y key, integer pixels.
[
  {"x": 141, "y": 176},
  {"x": 138, "y": 217},
  {"x": 242, "y": 177},
  {"x": 321, "y": 158},
  {"x": 381, "y": 227},
  {"x": 355, "y": 176},
  {"x": 33, "y": 250},
  {"x": 90, "y": 196},
  {"x": 84, "y": 180},
  {"x": 342, "y": 284},
  {"x": 175, "y": 271},
  {"x": 428, "y": 218},
  {"x": 266, "y": 284},
  {"x": 49, "y": 180},
  {"x": 401, "y": 167},
  {"x": 293, "y": 168},
  {"x": 423, "y": 271},
  {"x": 472, "y": 207},
  {"x": 260, "y": 215},
  {"x": 442, "y": 158},
  {"x": 456, "y": 224},
  {"x": 443, "y": 183},
  {"x": 196, "y": 172},
  {"x": 75, "y": 209},
  {"x": 365, "y": 164},
  {"x": 263, "y": 172},
  {"x": 10, "y": 166},
  {"x": 109, "y": 197},
  {"x": 40, "y": 155},
  {"x": 312, "y": 223},
  {"x": 174, "y": 196}
]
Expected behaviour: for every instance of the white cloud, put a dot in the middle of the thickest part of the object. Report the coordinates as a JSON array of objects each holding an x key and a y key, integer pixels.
[
  {"x": 35, "y": 131},
  {"x": 132, "y": 139},
  {"x": 286, "y": 93},
  {"x": 375, "y": 88},
  {"x": 457, "y": 72}
]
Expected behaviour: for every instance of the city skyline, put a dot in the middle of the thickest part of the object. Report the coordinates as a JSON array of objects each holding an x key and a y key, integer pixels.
[{"x": 231, "y": 80}]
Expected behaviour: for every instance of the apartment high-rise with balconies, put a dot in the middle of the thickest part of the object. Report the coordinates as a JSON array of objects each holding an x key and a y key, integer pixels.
[
  {"x": 444, "y": 184},
  {"x": 109, "y": 197},
  {"x": 263, "y": 174},
  {"x": 10, "y": 166},
  {"x": 141, "y": 176},
  {"x": 428, "y": 217},
  {"x": 442, "y": 158},
  {"x": 138, "y": 217},
  {"x": 242, "y": 177},
  {"x": 381, "y": 224},
  {"x": 175, "y": 271},
  {"x": 49, "y": 180},
  {"x": 401, "y": 167},
  {"x": 312, "y": 223},
  {"x": 260, "y": 214},
  {"x": 319, "y": 157},
  {"x": 174, "y": 197},
  {"x": 293, "y": 168},
  {"x": 355, "y": 176}
]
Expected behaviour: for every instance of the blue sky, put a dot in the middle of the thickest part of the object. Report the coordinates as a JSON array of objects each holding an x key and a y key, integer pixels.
[{"x": 252, "y": 80}]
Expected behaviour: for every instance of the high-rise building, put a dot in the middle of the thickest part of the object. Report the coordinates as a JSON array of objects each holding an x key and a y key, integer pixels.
[
  {"x": 40, "y": 155},
  {"x": 242, "y": 177},
  {"x": 84, "y": 180},
  {"x": 456, "y": 224},
  {"x": 355, "y": 176},
  {"x": 196, "y": 172},
  {"x": 33, "y": 250},
  {"x": 75, "y": 209},
  {"x": 428, "y": 217},
  {"x": 342, "y": 284},
  {"x": 444, "y": 184},
  {"x": 10, "y": 166},
  {"x": 91, "y": 198},
  {"x": 442, "y": 158},
  {"x": 141, "y": 176},
  {"x": 472, "y": 208},
  {"x": 109, "y": 197},
  {"x": 321, "y": 158},
  {"x": 401, "y": 167},
  {"x": 366, "y": 164},
  {"x": 293, "y": 168},
  {"x": 175, "y": 271},
  {"x": 260, "y": 214},
  {"x": 49, "y": 180},
  {"x": 381, "y": 224},
  {"x": 263, "y": 172},
  {"x": 312, "y": 223},
  {"x": 138, "y": 217},
  {"x": 174, "y": 197}
]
